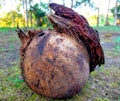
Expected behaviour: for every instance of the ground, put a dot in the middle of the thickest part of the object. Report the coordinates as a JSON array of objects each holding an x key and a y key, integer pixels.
[{"x": 103, "y": 83}]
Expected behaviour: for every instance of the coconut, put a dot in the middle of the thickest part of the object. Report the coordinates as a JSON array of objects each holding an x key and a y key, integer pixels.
[{"x": 53, "y": 64}]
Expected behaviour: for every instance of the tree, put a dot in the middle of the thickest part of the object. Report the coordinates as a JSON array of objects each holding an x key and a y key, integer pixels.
[
  {"x": 26, "y": 12},
  {"x": 106, "y": 21},
  {"x": 98, "y": 13},
  {"x": 39, "y": 13},
  {"x": 30, "y": 3},
  {"x": 11, "y": 19},
  {"x": 64, "y": 2},
  {"x": 71, "y": 3},
  {"x": 26, "y": 6},
  {"x": 90, "y": 3},
  {"x": 116, "y": 12},
  {"x": 98, "y": 17},
  {"x": 85, "y": 2}
]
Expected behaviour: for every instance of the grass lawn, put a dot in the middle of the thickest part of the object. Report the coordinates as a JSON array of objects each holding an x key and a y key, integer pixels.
[
  {"x": 109, "y": 29},
  {"x": 114, "y": 29},
  {"x": 103, "y": 83}
]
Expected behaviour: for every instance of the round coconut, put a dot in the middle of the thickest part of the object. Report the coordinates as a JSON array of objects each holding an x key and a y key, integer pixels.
[{"x": 55, "y": 65}]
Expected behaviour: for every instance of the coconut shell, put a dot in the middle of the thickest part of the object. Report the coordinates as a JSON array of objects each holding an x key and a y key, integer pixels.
[{"x": 55, "y": 65}]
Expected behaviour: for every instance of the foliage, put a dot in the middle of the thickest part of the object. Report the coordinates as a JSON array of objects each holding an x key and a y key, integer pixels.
[
  {"x": 93, "y": 20},
  {"x": 118, "y": 11},
  {"x": 36, "y": 14},
  {"x": 11, "y": 19},
  {"x": 84, "y": 2},
  {"x": 39, "y": 12},
  {"x": 16, "y": 81}
]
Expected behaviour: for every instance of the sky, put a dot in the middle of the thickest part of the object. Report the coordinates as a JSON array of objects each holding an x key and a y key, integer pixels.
[{"x": 84, "y": 10}]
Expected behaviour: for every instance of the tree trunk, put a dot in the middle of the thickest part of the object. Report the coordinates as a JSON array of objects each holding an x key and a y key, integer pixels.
[
  {"x": 26, "y": 13},
  {"x": 64, "y": 2},
  {"x": 31, "y": 23},
  {"x": 98, "y": 13},
  {"x": 107, "y": 22},
  {"x": 71, "y": 3},
  {"x": 115, "y": 13},
  {"x": 98, "y": 18},
  {"x": 30, "y": 14}
]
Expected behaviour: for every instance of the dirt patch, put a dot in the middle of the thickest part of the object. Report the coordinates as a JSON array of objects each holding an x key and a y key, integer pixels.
[
  {"x": 9, "y": 46},
  {"x": 112, "y": 55}
]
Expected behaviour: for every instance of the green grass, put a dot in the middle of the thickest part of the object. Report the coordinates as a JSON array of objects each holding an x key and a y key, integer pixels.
[
  {"x": 108, "y": 29},
  {"x": 103, "y": 83},
  {"x": 114, "y": 29},
  {"x": 6, "y": 29},
  {"x": 13, "y": 88}
]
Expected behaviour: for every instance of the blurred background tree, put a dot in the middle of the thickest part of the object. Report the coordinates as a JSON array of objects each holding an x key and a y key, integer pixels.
[
  {"x": 39, "y": 11},
  {"x": 12, "y": 18},
  {"x": 116, "y": 13},
  {"x": 83, "y": 2},
  {"x": 30, "y": 13},
  {"x": 106, "y": 21}
]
